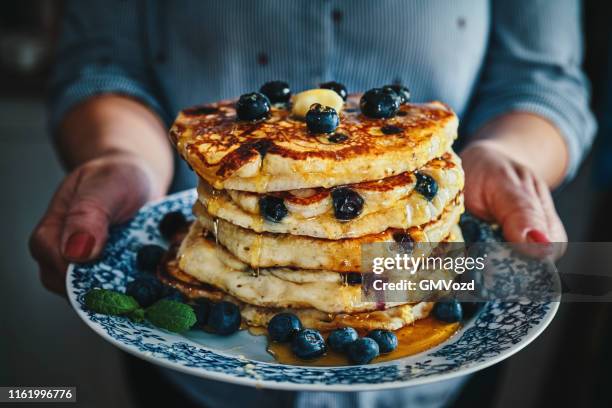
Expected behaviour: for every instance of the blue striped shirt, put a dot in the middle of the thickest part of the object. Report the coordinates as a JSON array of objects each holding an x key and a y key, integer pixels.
[{"x": 482, "y": 57}]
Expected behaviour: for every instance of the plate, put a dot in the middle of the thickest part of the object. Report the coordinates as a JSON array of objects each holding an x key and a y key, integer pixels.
[{"x": 497, "y": 332}]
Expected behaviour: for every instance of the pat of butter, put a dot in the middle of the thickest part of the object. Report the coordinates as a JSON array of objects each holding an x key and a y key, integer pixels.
[{"x": 304, "y": 100}]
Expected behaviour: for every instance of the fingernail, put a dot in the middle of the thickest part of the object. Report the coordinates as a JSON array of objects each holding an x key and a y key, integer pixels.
[
  {"x": 537, "y": 236},
  {"x": 79, "y": 245}
]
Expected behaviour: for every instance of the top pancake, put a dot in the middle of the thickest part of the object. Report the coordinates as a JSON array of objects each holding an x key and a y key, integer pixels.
[{"x": 279, "y": 153}]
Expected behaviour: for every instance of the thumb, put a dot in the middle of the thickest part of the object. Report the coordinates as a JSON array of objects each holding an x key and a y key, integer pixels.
[
  {"x": 85, "y": 229},
  {"x": 104, "y": 195},
  {"x": 522, "y": 216}
]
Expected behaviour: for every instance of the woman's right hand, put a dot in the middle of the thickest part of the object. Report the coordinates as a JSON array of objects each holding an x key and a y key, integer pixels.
[{"x": 99, "y": 193}]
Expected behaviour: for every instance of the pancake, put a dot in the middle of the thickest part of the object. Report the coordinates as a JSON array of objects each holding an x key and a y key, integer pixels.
[
  {"x": 409, "y": 211},
  {"x": 199, "y": 257},
  {"x": 392, "y": 318},
  {"x": 270, "y": 250},
  {"x": 377, "y": 195},
  {"x": 279, "y": 153}
]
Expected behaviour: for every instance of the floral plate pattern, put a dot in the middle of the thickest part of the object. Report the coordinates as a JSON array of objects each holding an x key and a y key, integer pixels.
[{"x": 498, "y": 331}]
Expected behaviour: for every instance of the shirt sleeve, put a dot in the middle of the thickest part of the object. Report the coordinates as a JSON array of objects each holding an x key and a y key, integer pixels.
[
  {"x": 100, "y": 50},
  {"x": 534, "y": 65}
]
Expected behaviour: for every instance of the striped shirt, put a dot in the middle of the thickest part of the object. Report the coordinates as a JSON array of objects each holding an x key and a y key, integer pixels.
[{"x": 482, "y": 57}]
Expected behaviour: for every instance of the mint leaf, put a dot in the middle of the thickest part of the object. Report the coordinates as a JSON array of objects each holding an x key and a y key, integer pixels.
[
  {"x": 110, "y": 302},
  {"x": 137, "y": 316},
  {"x": 171, "y": 315}
]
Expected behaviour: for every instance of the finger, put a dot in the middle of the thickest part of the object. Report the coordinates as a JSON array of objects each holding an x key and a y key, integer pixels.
[
  {"x": 556, "y": 231},
  {"x": 43, "y": 243}
]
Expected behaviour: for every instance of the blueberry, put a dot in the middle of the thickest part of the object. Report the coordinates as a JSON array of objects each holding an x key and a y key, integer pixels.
[
  {"x": 354, "y": 278},
  {"x": 149, "y": 257},
  {"x": 337, "y": 87},
  {"x": 172, "y": 224},
  {"x": 253, "y": 106},
  {"x": 347, "y": 203},
  {"x": 202, "y": 311},
  {"x": 272, "y": 208},
  {"x": 471, "y": 309},
  {"x": 405, "y": 241},
  {"x": 401, "y": 91},
  {"x": 472, "y": 231},
  {"x": 378, "y": 103},
  {"x": 308, "y": 344},
  {"x": 362, "y": 350},
  {"x": 224, "y": 318},
  {"x": 322, "y": 119},
  {"x": 448, "y": 310},
  {"x": 146, "y": 289},
  {"x": 170, "y": 293},
  {"x": 426, "y": 186},
  {"x": 283, "y": 326},
  {"x": 339, "y": 339},
  {"x": 386, "y": 340},
  {"x": 276, "y": 91}
]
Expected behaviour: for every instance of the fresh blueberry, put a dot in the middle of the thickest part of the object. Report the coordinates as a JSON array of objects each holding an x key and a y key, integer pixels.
[
  {"x": 472, "y": 231},
  {"x": 283, "y": 326},
  {"x": 146, "y": 289},
  {"x": 378, "y": 103},
  {"x": 426, "y": 186},
  {"x": 339, "y": 339},
  {"x": 405, "y": 241},
  {"x": 149, "y": 257},
  {"x": 224, "y": 318},
  {"x": 386, "y": 340},
  {"x": 253, "y": 106},
  {"x": 272, "y": 208},
  {"x": 354, "y": 278},
  {"x": 362, "y": 351},
  {"x": 322, "y": 119},
  {"x": 172, "y": 224},
  {"x": 276, "y": 91},
  {"x": 308, "y": 344},
  {"x": 471, "y": 309},
  {"x": 347, "y": 203},
  {"x": 171, "y": 293},
  {"x": 337, "y": 87},
  {"x": 448, "y": 310},
  {"x": 401, "y": 91},
  {"x": 202, "y": 311}
]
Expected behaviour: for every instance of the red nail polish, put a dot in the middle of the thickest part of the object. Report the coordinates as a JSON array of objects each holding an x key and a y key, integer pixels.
[
  {"x": 79, "y": 246},
  {"x": 538, "y": 237}
]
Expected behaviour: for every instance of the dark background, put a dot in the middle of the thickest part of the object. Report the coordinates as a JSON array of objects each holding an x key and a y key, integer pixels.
[{"x": 42, "y": 342}]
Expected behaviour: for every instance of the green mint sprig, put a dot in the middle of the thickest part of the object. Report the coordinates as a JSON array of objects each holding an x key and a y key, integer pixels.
[
  {"x": 166, "y": 314},
  {"x": 110, "y": 302},
  {"x": 171, "y": 315}
]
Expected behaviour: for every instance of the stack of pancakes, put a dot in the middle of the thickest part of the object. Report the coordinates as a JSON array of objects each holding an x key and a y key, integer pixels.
[{"x": 267, "y": 234}]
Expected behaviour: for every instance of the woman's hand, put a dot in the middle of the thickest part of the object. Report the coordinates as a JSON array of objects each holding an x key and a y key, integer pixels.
[
  {"x": 99, "y": 193},
  {"x": 499, "y": 189}
]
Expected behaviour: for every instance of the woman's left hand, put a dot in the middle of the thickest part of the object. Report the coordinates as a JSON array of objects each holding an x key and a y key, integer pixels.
[{"x": 498, "y": 189}]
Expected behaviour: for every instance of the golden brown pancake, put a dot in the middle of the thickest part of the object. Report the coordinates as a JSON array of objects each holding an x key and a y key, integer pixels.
[
  {"x": 199, "y": 257},
  {"x": 279, "y": 153},
  {"x": 377, "y": 195},
  {"x": 391, "y": 318},
  {"x": 270, "y": 250}
]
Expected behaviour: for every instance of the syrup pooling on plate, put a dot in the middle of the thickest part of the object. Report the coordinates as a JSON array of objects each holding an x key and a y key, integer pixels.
[{"x": 420, "y": 336}]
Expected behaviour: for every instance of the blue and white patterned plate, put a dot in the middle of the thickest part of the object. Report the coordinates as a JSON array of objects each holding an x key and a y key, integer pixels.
[{"x": 500, "y": 330}]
